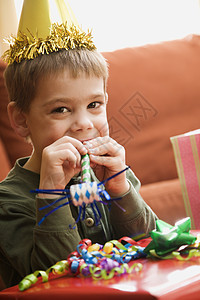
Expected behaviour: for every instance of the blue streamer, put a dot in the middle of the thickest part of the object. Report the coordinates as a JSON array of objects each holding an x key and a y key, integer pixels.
[
  {"x": 50, "y": 212},
  {"x": 103, "y": 194}
]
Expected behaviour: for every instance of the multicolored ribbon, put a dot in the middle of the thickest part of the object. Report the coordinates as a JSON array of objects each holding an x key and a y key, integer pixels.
[
  {"x": 94, "y": 260},
  {"x": 82, "y": 194},
  {"x": 113, "y": 258}
]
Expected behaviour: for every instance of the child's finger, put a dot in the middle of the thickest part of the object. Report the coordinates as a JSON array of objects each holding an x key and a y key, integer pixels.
[
  {"x": 65, "y": 141},
  {"x": 106, "y": 161},
  {"x": 62, "y": 152},
  {"x": 98, "y": 141},
  {"x": 107, "y": 148}
]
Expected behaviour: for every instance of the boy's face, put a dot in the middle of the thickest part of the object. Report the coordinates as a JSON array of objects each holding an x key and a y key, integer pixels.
[{"x": 64, "y": 106}]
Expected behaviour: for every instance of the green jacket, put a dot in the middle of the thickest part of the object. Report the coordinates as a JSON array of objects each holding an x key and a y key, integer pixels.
[{"x": 25, "y": 246}]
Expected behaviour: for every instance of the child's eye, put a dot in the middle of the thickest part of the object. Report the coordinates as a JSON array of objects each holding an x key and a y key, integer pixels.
[
  {"x": 94, "y": 104},
  {"x": 60, "y": 110}
]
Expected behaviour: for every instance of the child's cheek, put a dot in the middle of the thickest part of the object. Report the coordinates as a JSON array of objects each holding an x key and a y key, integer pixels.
[{"x": 104, "y": 129}]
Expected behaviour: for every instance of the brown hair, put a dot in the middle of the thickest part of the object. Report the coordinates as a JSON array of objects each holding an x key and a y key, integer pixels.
[{"x": 21, "y": 79}]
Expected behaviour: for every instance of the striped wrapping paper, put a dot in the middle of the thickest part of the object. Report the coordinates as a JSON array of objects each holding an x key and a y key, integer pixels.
[{"x": 186, "y": 149}]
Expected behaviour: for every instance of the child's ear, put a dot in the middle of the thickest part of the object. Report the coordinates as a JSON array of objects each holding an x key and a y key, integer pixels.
[{"x": 17, "y": 120}]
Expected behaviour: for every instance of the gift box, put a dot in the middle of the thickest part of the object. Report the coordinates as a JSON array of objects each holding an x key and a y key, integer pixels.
[{"x": 186, "y": 149}]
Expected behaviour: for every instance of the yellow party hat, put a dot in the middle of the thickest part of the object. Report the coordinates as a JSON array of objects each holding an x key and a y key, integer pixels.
[{"x": 46, "y": 26}]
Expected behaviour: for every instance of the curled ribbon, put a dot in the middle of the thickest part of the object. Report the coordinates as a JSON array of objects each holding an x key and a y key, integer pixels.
[
  {"x": 93, "y": 260},
  {"x": 106, "y": 261}
]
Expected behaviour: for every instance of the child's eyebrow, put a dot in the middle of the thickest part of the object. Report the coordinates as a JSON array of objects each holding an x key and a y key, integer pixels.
[
  {"x": 57, "y": 100},
  {"x": 100, "y": 95},
  {"x": 72, "y": 100}
]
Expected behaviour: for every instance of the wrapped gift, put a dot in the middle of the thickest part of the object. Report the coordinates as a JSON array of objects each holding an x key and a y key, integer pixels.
[{"x": 187, "y": 157}]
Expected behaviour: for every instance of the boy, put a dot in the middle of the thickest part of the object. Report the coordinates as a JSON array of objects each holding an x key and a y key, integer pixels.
[{"x": 58, "y": 102}]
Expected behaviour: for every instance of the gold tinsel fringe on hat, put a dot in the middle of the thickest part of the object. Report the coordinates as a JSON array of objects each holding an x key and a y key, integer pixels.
[{"x": 61, "y": 37}]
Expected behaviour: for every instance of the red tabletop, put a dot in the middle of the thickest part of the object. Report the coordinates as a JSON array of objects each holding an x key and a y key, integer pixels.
[{"x": 159, "y": 279}]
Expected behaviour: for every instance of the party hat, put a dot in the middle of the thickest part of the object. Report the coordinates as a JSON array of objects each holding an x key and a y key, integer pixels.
[{"x": 46, "y": 26}]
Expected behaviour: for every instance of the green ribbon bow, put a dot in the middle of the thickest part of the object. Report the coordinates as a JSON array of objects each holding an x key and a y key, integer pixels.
[{"x": 167, "y": 238}]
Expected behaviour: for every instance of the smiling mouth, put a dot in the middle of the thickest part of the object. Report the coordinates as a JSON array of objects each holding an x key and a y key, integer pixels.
[{"x": 86, "y": 140}]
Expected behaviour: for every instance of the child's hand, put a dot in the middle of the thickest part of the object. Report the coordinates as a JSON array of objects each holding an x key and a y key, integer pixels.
[
  {"x": 107, "y": 158},
  {"x": 60, "y": 162}
]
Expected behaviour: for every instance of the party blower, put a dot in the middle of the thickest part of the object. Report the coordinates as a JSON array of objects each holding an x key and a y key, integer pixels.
[{"x": 85, "y": 193}]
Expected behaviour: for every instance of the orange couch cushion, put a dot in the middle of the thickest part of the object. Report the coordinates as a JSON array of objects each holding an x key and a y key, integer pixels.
[
  {"x": 166, "y": 200},
  {"x": 154, "y": 93}
]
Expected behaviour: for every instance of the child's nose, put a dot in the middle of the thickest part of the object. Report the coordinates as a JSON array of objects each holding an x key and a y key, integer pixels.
[{"x": 81, "y": 122}]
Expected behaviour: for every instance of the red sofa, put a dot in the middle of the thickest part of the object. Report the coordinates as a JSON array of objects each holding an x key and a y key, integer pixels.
[{"x": 154, "y": 94}]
